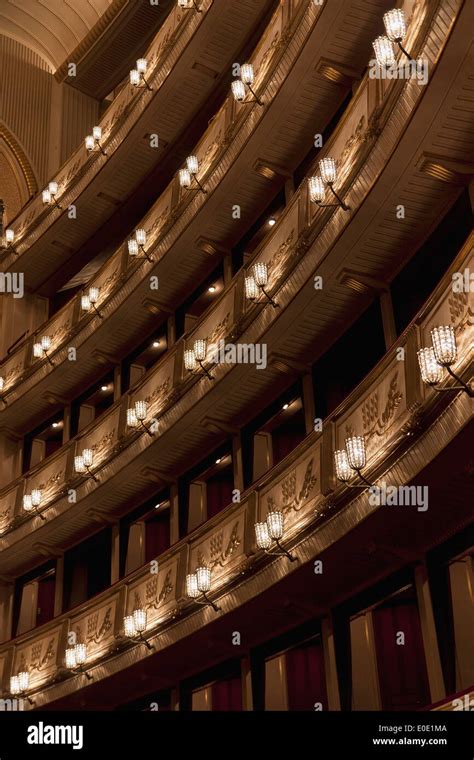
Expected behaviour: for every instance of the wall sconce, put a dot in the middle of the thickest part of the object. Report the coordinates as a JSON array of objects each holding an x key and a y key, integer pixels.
[
  {"x": 200, "y": 583},
  {"x": 187, "y": 175},
  {"x": 197, "y": 355},
  {"x": 134, "y": 244},
  {"x": 189, "y": 5},
  {"x": 32, "y": 501},
  {"x": 134, "y": 627},
  {"x": 40, "y": 350},
  {"x": 76, "y": 657},
  {"x": 240, "y": 86},
  {"x": 83, "y": 464},
  {"x": 256, "y": 283},
  {"x": 2, "y": 385},
  {"x": 19, "y": 686},
  {"x": 89, "y": 301},
  {"x": 137, "y": 417},
  {"x": 441, "y": 355},
  {"x": 49, "y": 195},
  {"x": 272, "y": 531},
  {"x": 351, "y": 459},
  {"x": 93, "y": 141},
  {"x": 138, "y": 75},
  {"x": 396, "y": 29},
  {"x": 8, "y": 240},
  {"x": 328, "y": 175}
]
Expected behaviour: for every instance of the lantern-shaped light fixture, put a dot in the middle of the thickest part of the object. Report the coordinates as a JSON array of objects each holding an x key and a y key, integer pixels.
[
  {"x": 199, "y": 583},
  {"x": 135, "y": 625},
  {"x": 189, "y": 5},
  {"x": 197, "y": 356},
  {"x": 256, "y": 283},
  {"x": 440, "y": 356},
  {"x": 327, "y": 177},
  {"x": 93, "y": 141},
  {"x": 89, "y": 301},
  {"x": 32, "y": 502},
  {"x": 76, "y": 658},
  {"x": 241, "y": 87},
  {"x": 19, "y": 685},
  {"x": 137, "y": 415},
  {"x": 187, "y": 175},
  {"x": 137, "y": 75},
  {"x": 396, "y": 28},
  {"x": 83, "y": 464},
  {"x": 351, "y": 459},
  {"x": 41, "y": 349},
  {"x": 49, "y": 195},
  {"x": 271, "y": 531},
  {"x": 137, "y": 244},
  {"x": 316, "y": 189},
  {"x": 9, "y": 239}
]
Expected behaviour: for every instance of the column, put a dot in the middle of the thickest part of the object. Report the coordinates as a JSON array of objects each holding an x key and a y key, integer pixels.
[
  {"x": 428, "y": 630},
  {"x": 365, "y": 683}
]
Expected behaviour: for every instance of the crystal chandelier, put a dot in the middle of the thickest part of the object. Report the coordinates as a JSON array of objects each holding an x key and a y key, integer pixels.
[
  {"x": 186, "y": 176},
  {"x": 256, "y": 283},
  {"x": 351, "y": 459},
  {"x": 41, "y": 349},
  {"x": 136, "y": 417},
  {"x": 137, "y": 76},
  {"x": 199, "y": 583},
  {"x": 271, "y": 531},
  {"x": 49, "y": 195},
  {"x": 76, "y": 658},
  {"x": 8, "y": 240},
  {"x": 138, "y": 243},
  {"x": 317, "y": 184},
  {"x": 134, "y": 626},
  {"x": 241, "y": 87},
  {"x": 89, "y": 301},
  {"x": 32, "y": 501},
  {"x": 93, "y": 141},
  {"x": 19, "y": 685},
  {"x": 197, "y": 356},
  {"x": 440, "y": 356},
  {"x": 83, "y": 464}
]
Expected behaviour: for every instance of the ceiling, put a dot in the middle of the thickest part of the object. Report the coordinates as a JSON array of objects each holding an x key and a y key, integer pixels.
[{"x": 52, "y": 28}]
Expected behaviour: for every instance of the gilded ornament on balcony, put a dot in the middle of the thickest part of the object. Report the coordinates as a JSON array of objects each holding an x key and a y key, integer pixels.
[{"x": 219, "y": 557}]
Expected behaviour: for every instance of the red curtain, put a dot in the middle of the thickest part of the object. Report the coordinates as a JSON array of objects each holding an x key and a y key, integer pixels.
[
  {"x": 219, "y": 491},
  {"x": 287, "y": 437},
  {"x": 227, "y": 695},
  {"x": 402, "y": 669},
  {"x": 157, "y": 535},
  {"x": 305, "y": 676}
]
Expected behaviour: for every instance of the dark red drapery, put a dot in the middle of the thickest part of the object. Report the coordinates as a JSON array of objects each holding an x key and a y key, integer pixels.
[
  {"x": 157, "y": 535},
  {"x": 305, "y": 676},
  {"x": 227, "y": 694},
  {"x": 219, "y": 491}
]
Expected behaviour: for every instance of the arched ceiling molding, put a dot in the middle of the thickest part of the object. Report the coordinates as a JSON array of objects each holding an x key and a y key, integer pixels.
[
  {"x": 21, "y": 160},
  {"x": 52, "y": 28}
]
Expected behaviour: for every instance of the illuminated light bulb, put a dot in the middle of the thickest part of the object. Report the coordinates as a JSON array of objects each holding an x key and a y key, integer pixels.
[
  {"x": 94, "y": 295},
  {"x": 238, "y": 90},
  {"x": 192, "y": 164},
  {"x": 203, "y": 576},
  {"x": 251, "y": 288},
  {"x": 275, "y": 524},
  {"x": 316, "y": 189},
  {"x": 192, "y": 586},
  {"x": 141, "y": 410},
  {"x": 212, "y": 289},
  {"x": 189, "y": 360},
  {"x": 200, "y": 349},
  {"x": 343, "y": 471},
  {"x": 97, "y": 133},
  {"x": 355, "y": 447},
  {"x": 327, "y": 167},
  {"x": 27, "y": 502},
  {"x": 53, "y": 188},
  {"x": 9, "y": 236},
  {"x": 85, "y": 303},
  {"x": 134, "y": 78},
  {"x": 132, "y": 247},
  {"x": 81, "y": 653},
  {"x": 247, "y": 74},
  {"x": 88, "y": 457},
  {"x": 431, "y": 371},
  {"x": 285, "y": 406},
  {"x": 142, "y": 65},
  {"x": 37, "y": 350},
  {"x": 79, "y": 465},
  {"x": 384, "y": 51},
  {"x": 262, "y": 536},
  {"x": 46, "y": 342},
  {"x": 139, "y": 619},
  {"x": 89, "y": 141},
  {"x": 395, "y": 25},
  {"x": 184, "y": 178},
  {"x": 156, "y": 343},
  {"x": 140, "y": 236},
  {"x": 260, "y": 273},
  {"x": 23, "y": 680},
  {"x": 2, "y": 384},
  {"x": 444, "y": 345},
  {"x": 46, "y": 195},
  {"x": 70, "y": 658},
  {"x": 132, "y": 420},
  {"x": 14, "y": 685},
  {"x": 129, "y": 626},
  {"x": 36, "y": 497}
]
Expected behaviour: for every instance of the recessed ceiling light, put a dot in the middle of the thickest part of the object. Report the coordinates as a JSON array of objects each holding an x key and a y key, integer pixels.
[
  {"x": 55, "y": 424},
  {"x": 218, "y": 461},
  {"x": 285, "y": 406},
  {"x": 156, "y": 343},
  {"x": 212, "y": 289},
  {"x": 104, "y": 387},
  {"x": 271, "y": 221}
]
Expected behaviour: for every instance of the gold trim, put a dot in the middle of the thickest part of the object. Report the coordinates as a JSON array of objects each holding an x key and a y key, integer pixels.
[{"x": 21, "y": 158}]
